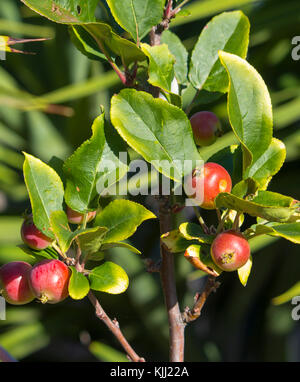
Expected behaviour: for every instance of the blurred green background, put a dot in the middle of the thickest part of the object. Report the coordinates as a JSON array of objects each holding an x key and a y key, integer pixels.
[{"x": 237, "y": 323}]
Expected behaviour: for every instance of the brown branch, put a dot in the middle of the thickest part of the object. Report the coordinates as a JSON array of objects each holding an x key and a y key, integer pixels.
[
  {"x": 167, "y": 274},
  {"x": 176, "y": 324},
  {"x": 114, "y": 327},
  {"x": 190, "y": 315},
  {"x": 5, "y": 356}
]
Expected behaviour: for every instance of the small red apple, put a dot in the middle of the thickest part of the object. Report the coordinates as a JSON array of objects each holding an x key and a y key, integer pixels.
[
  {"x": 206, "y": 126},
  {"x": 49, "y": 281},
  {"x": 14, "y": 282},
  {"x": 33, "y": 237},
  {"x": 75, "y": 217},
  {"x": 230, "y": 250},
  {"x": 207, "y": 182}
]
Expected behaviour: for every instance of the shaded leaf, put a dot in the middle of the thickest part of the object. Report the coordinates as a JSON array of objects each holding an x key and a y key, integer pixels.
[
  {"x": 137, "y": 17},
  {"x": 229, "y": 32},
  {"x": 81, "y": 171},
  {"x": 45, "y": 190}
]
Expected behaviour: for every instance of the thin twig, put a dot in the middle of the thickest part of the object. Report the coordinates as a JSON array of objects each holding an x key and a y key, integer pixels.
[
  {"x": 201, "y": 220},
  {"x": 190, "y": 315},
  {"x": 178, "y": 8},
  {"x": 114, "y": 327}
]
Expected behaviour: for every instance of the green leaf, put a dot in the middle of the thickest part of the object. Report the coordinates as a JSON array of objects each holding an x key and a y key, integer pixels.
[
  {"x": 98, "y": 40},
  {"x": 268, "y": 164},
  {"x": 179, "y": 52},
  {"x": 120, "y": 244},
  {"x": 175, "y": 242},
  {"x": 48, "y": 253},
  {"x": 137, "y": 17},
  {"x": 62, "y": 11},
  {"x": 81, "y": 171},
  {"x": 249, "y": 107},
  {"x": 109, "y": 278},
  {"x": 228, "y": 31},
  {"x": 199, "y": 256},
  {"x": 45, "y": 190},
  {"x": 106, "y": 353},
  {"x": 278, "y": 212},
  {"x": 121, "y": 218},
  {"x": 160, "y": 132},
  {"x": 161, "y": 65},
  {"x": 288, "y": 295},
  {"x": 288, "y": 231},
  {"x": 192, "y": 231},
  {"x": 91, "y": 239},
  {"x": 244, "y": 272},
  {"x": 113, "y": 166},
  {"x": 78, "y": 285}
]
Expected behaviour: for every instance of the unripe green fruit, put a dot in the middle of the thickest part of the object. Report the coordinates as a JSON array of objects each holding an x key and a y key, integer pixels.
[
  {"x": 206, "y": 127},
  {"x": 230, "y": 250}
]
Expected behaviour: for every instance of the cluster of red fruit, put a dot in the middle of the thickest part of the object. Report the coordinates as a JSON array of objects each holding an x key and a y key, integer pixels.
[
  {"x": 48, "y": 280},
  {"x": 230, "y": 250}
]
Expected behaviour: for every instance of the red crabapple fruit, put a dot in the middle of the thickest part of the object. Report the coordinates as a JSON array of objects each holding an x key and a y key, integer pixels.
[
  {"x": 14, "y": 282},
  {"x": 230, "y": 250},
  {"x": 206, "y": 126},
  {"x": 49, "y": 281},
  {"x": 75, "y": 217},
  {"x": 33, "y": 237}
]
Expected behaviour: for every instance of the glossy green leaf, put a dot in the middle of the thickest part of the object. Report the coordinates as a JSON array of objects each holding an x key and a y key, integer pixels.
[
  {"x": 179, "y": 52},
  {"x": 175, "y": 242},
  {"x": 192, "y": 231},
  {"x": 244, "y": 272},
  {"x": 199, "y": 256},
  {"x": 268, "y": 164},
  {"x": 121, "y": 218},
  {"x": 137, "y": 17},
  {"x": 48, "y": 253},
  {"x": 106, "y": 353},
  {"x": 81, "y": 170},
  {"x": 91, "y": 239},
  {"x": 229, "y": 32},
  {"x": 109, "y": 278},
  {"x": 278, "y": 212},
  {"x": 249, "y": 107},
  {"x": 161, "y": 65},
  {"x": 78, "y": 285},
  {"x": 288, "y": 231},
  {"x": 45, "y": 190},
  {"x": 288, "y": 295},
  {"x": 62, "y": 11},
  {"x": 60, "y": 228},
  {"x": 113, "y": 165},
  {"x": 120, "y": 244},
  {"x": 160, "y": 132},
  {"x": 98, "y": 40}
]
